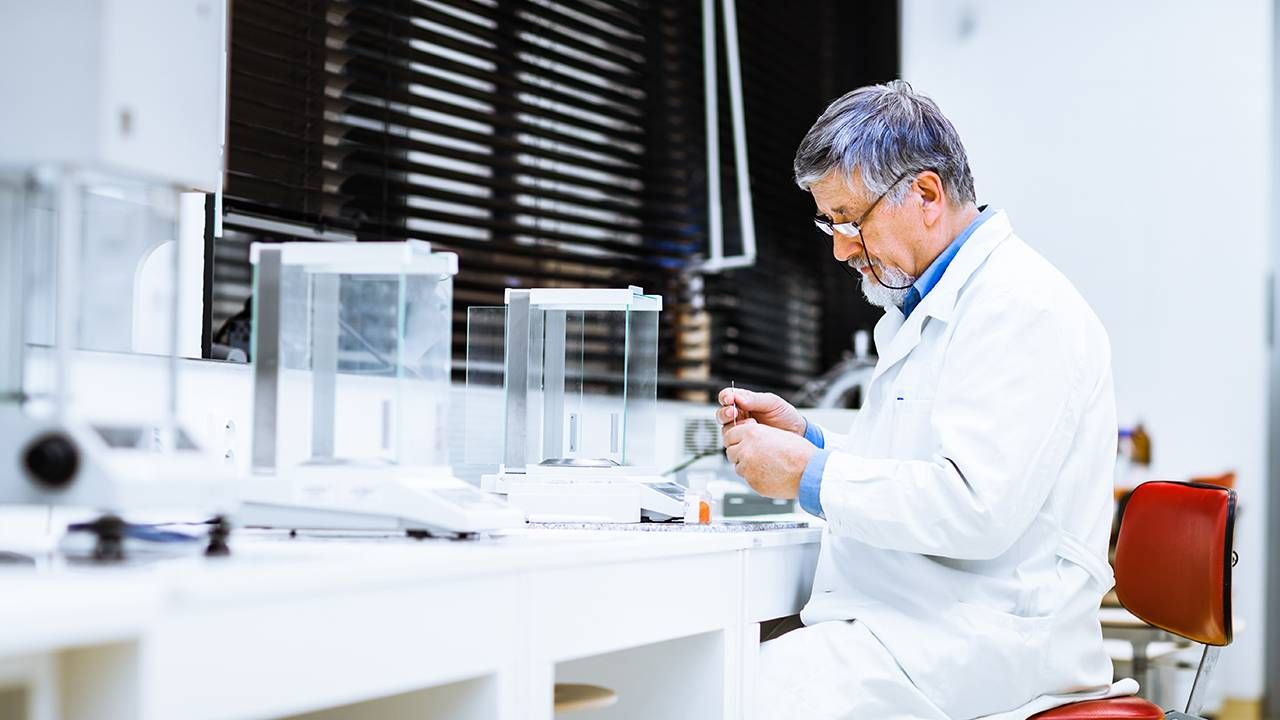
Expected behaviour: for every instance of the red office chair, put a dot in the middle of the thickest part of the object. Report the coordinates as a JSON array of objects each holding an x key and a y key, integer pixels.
[{"x": 1173, "y": 570}]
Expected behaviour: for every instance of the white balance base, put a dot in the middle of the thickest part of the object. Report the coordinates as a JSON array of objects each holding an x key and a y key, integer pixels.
[
  {"x": 588, "y": 495},
  {"x": 362, "y": 498}
]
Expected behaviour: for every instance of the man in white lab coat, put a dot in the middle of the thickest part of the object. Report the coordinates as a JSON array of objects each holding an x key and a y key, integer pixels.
[{"x": 969, "y": 507}]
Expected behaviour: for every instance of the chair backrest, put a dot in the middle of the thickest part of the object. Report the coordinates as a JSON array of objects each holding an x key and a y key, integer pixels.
[{"x": 1174, "y": 556}]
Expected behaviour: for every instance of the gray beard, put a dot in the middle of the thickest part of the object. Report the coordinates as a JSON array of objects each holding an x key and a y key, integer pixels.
[{"x": 878, "y": 294}]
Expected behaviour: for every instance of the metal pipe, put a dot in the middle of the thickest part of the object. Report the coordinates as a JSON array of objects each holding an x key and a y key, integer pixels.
[
  {"x": 1208, "y": 661},
  {"x": 266, "y": 358},
  {"x": 711, "y": 97},
  {"x": 717, "y": 261},
  {"x": 517, "y": 382},
  {"x": 737, "y": 114}
]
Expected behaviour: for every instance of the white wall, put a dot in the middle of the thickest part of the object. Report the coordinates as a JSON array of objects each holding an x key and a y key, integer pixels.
[{"x": 1131, "y": 143}]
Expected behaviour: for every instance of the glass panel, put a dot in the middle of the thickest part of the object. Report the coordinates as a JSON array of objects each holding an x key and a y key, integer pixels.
[
  {"x": 109, "y": 246},
  {"x": 294, "y": 386},
  {"x": 363, "y": 356},
  {"x": 364, "y": 374},
  {"x": 122, "y": 228},
  {"x": 34, "y": 231},
  {"x": 582, "y": 364},
  {"x": 428, "y": 323},
  {"x": 603, "y": 341},
  {"x": 534, "y": 412},
  {"x": 11, "y": 290},
  {"x": 40, "y": 227},
  {"x": 485, "y": 402},
  {"x": 640, "y": 430},
  {"x": 573, "y": 416},
  {"x": 125, "y": 294}
]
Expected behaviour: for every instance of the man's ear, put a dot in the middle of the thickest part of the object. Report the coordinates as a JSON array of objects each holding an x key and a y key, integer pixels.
[{"x": 932, "y": 196}]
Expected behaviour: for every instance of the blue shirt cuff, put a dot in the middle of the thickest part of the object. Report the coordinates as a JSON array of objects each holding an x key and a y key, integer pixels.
[
  {"x": 813, "y": 434},
  {"x": 811, "y": 483}
]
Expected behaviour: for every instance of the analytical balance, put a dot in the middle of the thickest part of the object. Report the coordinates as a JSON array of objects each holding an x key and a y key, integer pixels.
[
  {"x": 562, "y": 394},
  {"x": 351, "y": 354},
  {"x": 94, "y": 151}
]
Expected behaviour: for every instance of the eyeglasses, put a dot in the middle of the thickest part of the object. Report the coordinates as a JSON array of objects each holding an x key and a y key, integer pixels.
[{"x": 854, "y": 229}]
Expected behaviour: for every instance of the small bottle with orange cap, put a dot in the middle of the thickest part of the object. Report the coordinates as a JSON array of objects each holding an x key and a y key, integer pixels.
[{"x": 697, "y": 501}]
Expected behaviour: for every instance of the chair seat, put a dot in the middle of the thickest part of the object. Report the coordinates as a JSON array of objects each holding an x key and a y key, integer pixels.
[{"x": 1125, "y": 708}]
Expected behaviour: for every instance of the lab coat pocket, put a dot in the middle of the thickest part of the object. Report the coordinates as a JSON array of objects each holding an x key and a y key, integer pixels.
[
  {"x": 1002, "y": 645},
  {"x": 911, "y": 431},
  {"x": 1081, "y": 577},
  {"x": 1056, "y": 585}
]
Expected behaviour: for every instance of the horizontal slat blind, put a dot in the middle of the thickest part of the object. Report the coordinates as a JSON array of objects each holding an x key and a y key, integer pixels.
[
  {"x": 547, "y": 142},
  {"x": 789, "y": 317}
]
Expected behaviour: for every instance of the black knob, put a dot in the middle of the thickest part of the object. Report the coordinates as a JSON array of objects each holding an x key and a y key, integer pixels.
[{"x": 52, "y": 460}]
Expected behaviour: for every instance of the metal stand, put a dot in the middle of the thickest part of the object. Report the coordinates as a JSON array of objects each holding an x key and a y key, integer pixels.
[
  {"x": 109, "y": 531},
  {"x": 1208, "y": 661},
  {"x": 427, "y": 534},
  {"x": 218, "y": 535}
]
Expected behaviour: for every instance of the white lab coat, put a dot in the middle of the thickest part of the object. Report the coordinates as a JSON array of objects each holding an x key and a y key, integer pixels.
[{"x": 969, "y": 510}]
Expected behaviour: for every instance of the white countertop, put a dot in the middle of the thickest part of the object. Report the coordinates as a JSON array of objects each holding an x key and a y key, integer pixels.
[{"x": 318, "y": 621}]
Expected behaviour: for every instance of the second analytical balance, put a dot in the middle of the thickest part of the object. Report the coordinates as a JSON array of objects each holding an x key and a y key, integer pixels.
[{"x": 562, "y": 393}]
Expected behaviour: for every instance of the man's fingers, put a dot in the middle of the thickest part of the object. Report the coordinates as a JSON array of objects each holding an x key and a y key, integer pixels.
[
  {"x": 730, "y": 435},
  {"x": 745, "y": 399},
  {"x": 730, "y": 415},
  {"x": 734, "y": 434},
  {"x": 727, "y": 413}
]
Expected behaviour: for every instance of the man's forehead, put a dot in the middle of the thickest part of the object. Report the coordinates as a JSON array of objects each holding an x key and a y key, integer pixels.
[{"x": 832, "y": 193}]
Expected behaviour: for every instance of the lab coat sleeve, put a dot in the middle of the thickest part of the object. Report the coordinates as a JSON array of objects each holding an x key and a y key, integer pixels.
[
  {"x": 830, "y": 440},
  {"x": 1008, "y": 399},
  {"x": 814, "y": 433}
]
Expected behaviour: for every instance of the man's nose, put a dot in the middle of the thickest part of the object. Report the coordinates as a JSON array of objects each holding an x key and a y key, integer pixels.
[{"x": 843, "y": 247}]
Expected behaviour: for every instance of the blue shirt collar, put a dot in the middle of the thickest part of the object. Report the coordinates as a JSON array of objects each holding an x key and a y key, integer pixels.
[{"x": 932, "y": 274}]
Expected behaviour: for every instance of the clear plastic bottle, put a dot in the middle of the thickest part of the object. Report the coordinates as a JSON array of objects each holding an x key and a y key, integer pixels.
[{"x": 697, "y": 501}]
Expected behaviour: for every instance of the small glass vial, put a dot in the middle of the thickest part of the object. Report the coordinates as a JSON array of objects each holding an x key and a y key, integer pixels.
[{"x": 697, "y": 501}]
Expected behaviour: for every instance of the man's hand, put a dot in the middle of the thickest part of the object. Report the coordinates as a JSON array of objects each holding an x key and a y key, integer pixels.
[
  {"x": 765, "y": 408},
  {"x": 769, "y": 459}
]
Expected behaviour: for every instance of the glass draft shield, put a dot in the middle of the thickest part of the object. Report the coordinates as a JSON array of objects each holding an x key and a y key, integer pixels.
[
  {"x": 351, "y": 354},
  {"x": 563, "y": 378},
  {"x": 89, "y": 264}
]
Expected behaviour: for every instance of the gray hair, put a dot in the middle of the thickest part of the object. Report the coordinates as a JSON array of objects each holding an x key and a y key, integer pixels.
[{"x": 885, "y": 132}]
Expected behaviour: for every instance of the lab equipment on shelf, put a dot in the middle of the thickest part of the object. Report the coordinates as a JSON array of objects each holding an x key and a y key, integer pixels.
[
  {"x": 562, "y": 396},
  {"x": 351, "y": 354},
  {"x": 89, "y": 257}
]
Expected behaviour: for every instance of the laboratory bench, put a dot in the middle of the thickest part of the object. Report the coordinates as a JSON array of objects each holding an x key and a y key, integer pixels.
[
  {"x": 322, "y": 626},
  {"x": 373, "y": 626}
]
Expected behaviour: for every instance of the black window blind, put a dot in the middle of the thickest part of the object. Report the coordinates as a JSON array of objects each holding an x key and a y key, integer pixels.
[
  {"x": 791, "y": 316},
  {"x": 549, "y": 143}
]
